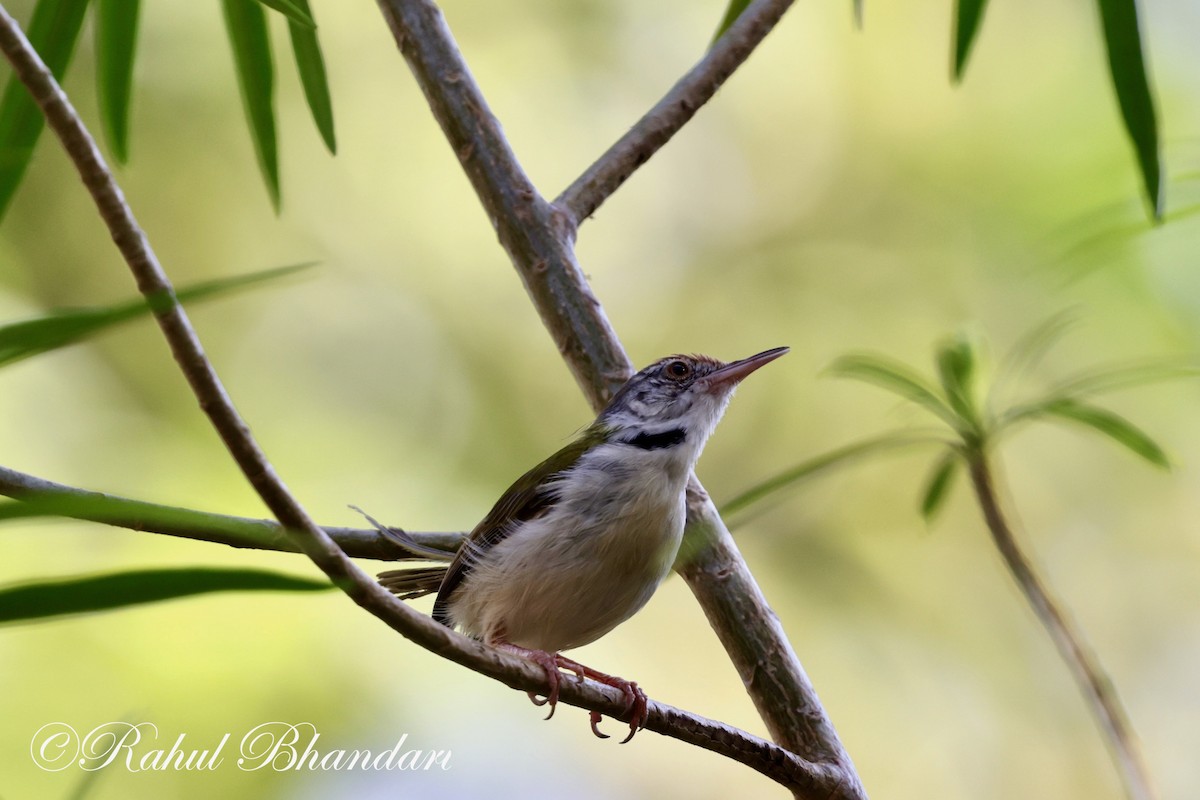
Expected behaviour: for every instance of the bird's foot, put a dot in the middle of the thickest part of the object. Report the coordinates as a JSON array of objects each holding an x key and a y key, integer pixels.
[
  {"x": 637, "y": 704},
  {"x": 549, "y": 662}
]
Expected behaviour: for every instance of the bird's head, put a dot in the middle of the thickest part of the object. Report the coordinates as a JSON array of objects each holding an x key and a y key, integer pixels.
[{"x": 677, "y": 399}]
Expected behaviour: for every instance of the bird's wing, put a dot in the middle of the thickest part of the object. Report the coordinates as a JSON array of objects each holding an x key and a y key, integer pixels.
[{"x": 531, "y": 496}]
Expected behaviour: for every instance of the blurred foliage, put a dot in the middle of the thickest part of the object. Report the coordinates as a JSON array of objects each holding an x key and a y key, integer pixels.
[
  {"x": 54, "y": 31},
  {"x": 975, "y": 426},
  {"x": 1122, "y": 29},
  {"x": 837, "y": 196},
  {"x": 978, "y": 425},
  {"x": 116, "y": 26},
  {"x": 86, "y": 594},
  {"x": 32, "y": 337}
]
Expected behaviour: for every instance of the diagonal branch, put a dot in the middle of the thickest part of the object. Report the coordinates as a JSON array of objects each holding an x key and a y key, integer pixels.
[
  {"x": 581, "y": 199},
  {"x": 804, "y": 778},
  {"x": 534, "y": 233},
  {"x": 539, "y": 237}
]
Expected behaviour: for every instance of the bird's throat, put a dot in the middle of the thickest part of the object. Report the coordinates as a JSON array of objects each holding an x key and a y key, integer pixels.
[{"x": 658, "y": 441}]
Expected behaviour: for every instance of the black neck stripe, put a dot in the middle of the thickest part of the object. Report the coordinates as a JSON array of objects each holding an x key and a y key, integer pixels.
[{"x": 657, "y": 441}]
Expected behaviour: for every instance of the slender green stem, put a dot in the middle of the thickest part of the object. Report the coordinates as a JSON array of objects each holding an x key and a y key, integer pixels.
[
  {"x": 186, "y": 523},
  {"x": 1093, "y": 681}
]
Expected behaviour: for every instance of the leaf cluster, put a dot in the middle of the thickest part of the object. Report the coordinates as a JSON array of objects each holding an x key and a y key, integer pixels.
[
  {"x": 969, "y": 424},
  {"x": 54, "y": 31}
]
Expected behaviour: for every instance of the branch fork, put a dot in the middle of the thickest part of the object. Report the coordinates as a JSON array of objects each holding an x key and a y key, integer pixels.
[{"x": 809, "y": 759}]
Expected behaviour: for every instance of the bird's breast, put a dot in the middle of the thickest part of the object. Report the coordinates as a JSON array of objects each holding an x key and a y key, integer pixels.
[{"x": 593, "y": 560}]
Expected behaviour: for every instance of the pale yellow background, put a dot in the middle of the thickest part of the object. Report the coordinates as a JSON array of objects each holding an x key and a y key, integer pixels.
[{"x": 839, "y": 194}]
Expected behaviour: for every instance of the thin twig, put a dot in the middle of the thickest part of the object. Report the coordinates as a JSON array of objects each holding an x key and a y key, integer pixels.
[
  {"x": 534, "y": 233},
  {"x": 538, "y": 238},
  {"x": 802, "y": 777},
  {"x": 581, "y": 199},
  {"x": 1093, "y": 681},
  {"x": 186, "y": 523}
]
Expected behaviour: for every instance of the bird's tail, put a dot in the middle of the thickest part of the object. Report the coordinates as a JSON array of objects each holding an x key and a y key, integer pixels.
[{"x": 409, "y": 583}]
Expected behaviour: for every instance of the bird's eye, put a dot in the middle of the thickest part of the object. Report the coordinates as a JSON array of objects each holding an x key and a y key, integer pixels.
[{"x": 678, "y": 370}]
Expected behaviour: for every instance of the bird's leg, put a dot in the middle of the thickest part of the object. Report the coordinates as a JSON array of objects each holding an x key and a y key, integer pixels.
[
  {"x": 549, "y": 662},
  {"x": 552, "y": 663},
  {"x": 637, "y": 703}
]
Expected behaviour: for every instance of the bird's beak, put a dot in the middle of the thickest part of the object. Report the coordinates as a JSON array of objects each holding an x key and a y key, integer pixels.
[{"x": 735, "y": 371}]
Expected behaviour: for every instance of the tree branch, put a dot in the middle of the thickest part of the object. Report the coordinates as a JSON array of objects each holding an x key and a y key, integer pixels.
[
  {"x": 1095, "y": 684},
  {"x": 186, "y": 523},
  {"x": 539, "y": 240},
  {"x": 581, "y": 199},
  {"x": 535, "y": 234},
  {"x": 802, "y": 777}
]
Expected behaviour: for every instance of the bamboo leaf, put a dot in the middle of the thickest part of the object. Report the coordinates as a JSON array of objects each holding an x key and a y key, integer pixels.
[
  {"x": 896, "y": 378},
  {"x": 732, "y": 12},
  {"x": 246, "y": 24},
  {"x": 823, "y": 462},
  {"x": 295, "y": 10},
  {"x": 116, "y": 36},
  {"x": 967, "y": 16},
  {"x": 21, "y": 340},
  {"x": 53, "y": 31},
  {"x": 1127, "y": 67},
  {"x": 1111, "y": 425},
  {"x": 937, "y": 487},
  {"x": 311, "y": 66},
  {"x": 83, "y": 594}
]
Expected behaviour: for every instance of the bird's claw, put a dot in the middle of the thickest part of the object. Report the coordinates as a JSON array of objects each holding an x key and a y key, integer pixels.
[
  {"x": 637, "y": 707},
  {"x": 596, "y": 717},
  {"x": 553, "y": 677},
  {"x": 541, "y": 701},
  {"x": 636, "y": 702}
]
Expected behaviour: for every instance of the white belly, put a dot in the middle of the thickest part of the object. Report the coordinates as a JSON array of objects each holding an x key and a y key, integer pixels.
[{"x": 571, "y": 576}]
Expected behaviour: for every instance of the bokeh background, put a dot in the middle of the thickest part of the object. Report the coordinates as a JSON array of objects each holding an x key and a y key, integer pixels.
[{"x": 839, "y": 194}]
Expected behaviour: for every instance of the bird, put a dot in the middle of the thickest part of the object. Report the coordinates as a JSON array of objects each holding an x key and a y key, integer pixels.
[{"x": 580, "y": 542}]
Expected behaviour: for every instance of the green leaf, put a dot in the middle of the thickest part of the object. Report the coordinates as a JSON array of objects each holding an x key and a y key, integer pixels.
[
  {"x": 77, "y": 595},
  {"x": 21, "y": 340},
  {"x": 732, "y": 12},
  {"x": 53, "y": 32},
  {"x": 295, "y": 10},
  {"x": 937, "y": 487},
  {"x": 116, "y": 35},
  {"x": 956, "y": 368},
  {"x": 1034, "y": 344},
  {"x": 246, "y": 23},
  {"x": 1111, "y": 425},
  {"x": 1127, "y": 66},
  {"x": 311, "y": 65},
  {"x": 894, "y": 377},
  {"x": 821, "y": 463},
  {"x": 1121, "y": 377},
  {"x": 967, "y": 16},
  {"x": 858, "y": 14}
]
